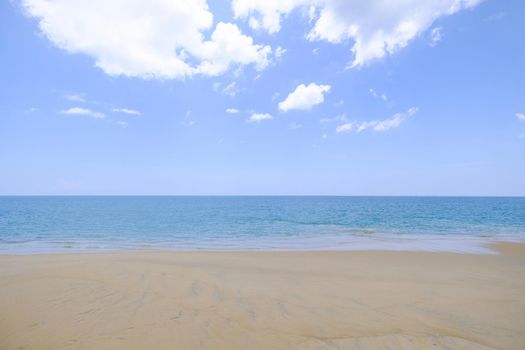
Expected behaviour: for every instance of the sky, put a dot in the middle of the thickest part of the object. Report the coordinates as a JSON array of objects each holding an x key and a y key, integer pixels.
[{"x": 262, "y": 97}]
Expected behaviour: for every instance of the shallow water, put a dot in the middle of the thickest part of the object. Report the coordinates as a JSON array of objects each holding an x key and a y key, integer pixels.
[{"x": 93, "y": 223}]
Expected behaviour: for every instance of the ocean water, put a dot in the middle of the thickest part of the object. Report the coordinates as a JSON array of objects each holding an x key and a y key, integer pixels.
[{"x": 109, "y": 223}]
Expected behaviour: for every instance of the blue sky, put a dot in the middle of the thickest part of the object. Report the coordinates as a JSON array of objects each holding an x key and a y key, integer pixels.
[{"x": 330, "y": 97}]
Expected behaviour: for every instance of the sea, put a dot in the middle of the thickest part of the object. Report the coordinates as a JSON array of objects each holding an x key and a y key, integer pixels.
[{"x": 68, "y": 224}]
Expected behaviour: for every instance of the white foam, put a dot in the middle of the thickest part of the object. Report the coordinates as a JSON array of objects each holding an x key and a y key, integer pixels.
[{"x": 425, "y": 243}]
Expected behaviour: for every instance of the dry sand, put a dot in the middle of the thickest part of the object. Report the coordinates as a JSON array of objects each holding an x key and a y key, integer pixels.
[{"x": 264, "y": 300}]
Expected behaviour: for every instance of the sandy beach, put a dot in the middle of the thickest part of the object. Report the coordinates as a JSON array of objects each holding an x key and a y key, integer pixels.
[{"x": 264, "y": 300}]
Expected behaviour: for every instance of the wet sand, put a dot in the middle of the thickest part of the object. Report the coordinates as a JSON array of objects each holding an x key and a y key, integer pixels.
[{"x": 264, "y": 300}]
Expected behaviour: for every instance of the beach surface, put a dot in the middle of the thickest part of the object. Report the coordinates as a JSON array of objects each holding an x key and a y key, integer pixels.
[{"x": 264, "y": 300}]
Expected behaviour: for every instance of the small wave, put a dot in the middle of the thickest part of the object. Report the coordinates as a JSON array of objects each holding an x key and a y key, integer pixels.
[
  {"x": 360, "y": 231},
  {"x": 21, "y": 241}
]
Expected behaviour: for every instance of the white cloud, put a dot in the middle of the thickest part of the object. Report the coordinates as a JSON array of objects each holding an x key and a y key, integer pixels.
[
  {"x": 229, "y": 46},
  {"x": 83, "y": 111},
  {"x": 121, "y": 123},
  {"x": 232, "y": 110},
  {"x": 147, "y": 39},
  {"x": 231, "y": 89},
  {"x": 259, "y": 117},
  {"x": 126, "y": 111},
  {"x": 344, "y": 127},
  {"x": 377, "y": 125},
  {"x": 279, "y": 52},
  {"x": 31, "y": 110},
  {"x": 520, "y": 116},
  {"x": 377, "y": 95},
  {"x": 265, "y": 14},
  {"x": 75, "y": 98},
  {"x": 187, "y": 119},
  {"x": 436, "y": 34},
  {"x": 376, "y": 28},
  {"x": 304, "y": 97}
]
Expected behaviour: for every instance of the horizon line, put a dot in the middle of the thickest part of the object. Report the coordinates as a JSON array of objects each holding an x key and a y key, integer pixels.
[{"x": 267, "y": 195}]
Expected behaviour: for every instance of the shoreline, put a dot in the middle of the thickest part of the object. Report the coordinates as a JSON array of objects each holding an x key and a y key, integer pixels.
[
  {"x": 438, "y": 244},
  {"x": 261, "y": 300},
  {"x": 489, "y": 248}
]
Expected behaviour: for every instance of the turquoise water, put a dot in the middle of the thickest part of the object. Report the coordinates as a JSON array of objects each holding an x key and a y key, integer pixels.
[{"x": 83, "y": 223}]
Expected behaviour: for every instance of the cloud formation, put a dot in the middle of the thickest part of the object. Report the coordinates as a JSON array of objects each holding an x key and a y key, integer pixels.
[
  {"x": 436, "y": 34},
  {"x": 520, "y": 116},
  {"x": 231, "y": 89},
  {"x": 304, "y": 97},
  {"x": 344, "y": 127},
  {"x": 83, "y": 111},
  {"x": 375, "y": 27},
  {"x": 377, "y": 95},
  {"x": 126, "y": 111},
  {"x": 147, "y": 39},
  {"x": 259, "y": 117},
  {"x": 338, "y": 118},
  {"x": 75, "y": 98},
  {"x": 377, "y": 125}
]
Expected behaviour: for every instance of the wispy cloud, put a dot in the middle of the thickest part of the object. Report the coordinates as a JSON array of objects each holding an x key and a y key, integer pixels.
[
  {"x": 126, "y": 111},
  {"x": 232, "y": 110},
  {"x": 378, "y": 95},
  {"x": 338, "y": 118},
  {"x": 83, "y": 111},
  {"x": 344, "y": 127},
  {"x": 520, "y": 116},
  {"x": 231, "y": 89},
  {"x": 75, "y": 98},
  {"x": 279, "y": 52},
  {"x": 188, "y": 121},
  {"x": 121, "y": 123},
  {"x": 377, "y": 125},
  {"x": 259, "y": 117},
  {"x": 436, "y": 34}
]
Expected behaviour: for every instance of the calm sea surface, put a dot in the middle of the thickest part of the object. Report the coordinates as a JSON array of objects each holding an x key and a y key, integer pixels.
[{"x": 83, "y": 223}]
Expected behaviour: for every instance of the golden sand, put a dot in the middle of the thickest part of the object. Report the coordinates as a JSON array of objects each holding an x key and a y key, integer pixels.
[{"x": 264, "y": 300}]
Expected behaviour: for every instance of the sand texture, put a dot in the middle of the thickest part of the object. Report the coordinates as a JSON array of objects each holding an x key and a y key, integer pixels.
[{"x": 264, "y": 300}]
